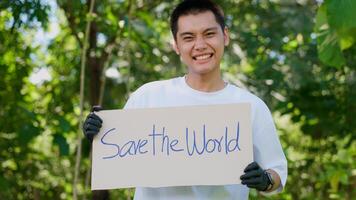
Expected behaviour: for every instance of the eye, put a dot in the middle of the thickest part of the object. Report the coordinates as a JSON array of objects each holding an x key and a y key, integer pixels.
[
  {"x": 188, "y": 38},
  {"x": 210, "y": 34}
]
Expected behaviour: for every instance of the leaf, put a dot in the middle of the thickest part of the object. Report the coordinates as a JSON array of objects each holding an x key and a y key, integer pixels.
[
  {"x": 27, "y": 133},
  {"x": 321, "y": 22},
  {"x": 341, "y": 13},
  {"x": 347, "y": 38},
  {"x": 62, "y": 144},
  {"x": 329, "y": 49},
  {"x": 64, "y": 124},
  {"x": 341, "y": 16}
]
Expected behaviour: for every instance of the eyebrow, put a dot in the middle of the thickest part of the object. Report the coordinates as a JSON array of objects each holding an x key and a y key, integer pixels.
[
  {"x": 210, "y": 29},
  {"x": 190, "y": 33}
]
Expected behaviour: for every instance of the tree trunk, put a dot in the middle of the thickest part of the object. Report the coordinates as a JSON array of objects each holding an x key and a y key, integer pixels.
[
  {"x": 95, "y": 65},
  {"x": 101, "y": 195}
]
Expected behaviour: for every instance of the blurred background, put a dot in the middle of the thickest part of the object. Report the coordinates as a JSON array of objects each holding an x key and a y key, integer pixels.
[{"x": 299, "y": 56}]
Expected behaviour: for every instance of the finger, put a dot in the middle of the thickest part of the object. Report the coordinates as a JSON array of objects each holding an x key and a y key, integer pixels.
[
  {"x": 259, "y": 187},
  {"x": 251, "y": 166},
  {"x": 94, "y": 116},
  {"x": 94, "y": 122},
  {"x": 253, "y": 186},
  {"x": 251, "y": 174},
  {"x": 252, "y": 181},
  {"x": 90, "y": 135},
  {"x": 91, "y": 127}
]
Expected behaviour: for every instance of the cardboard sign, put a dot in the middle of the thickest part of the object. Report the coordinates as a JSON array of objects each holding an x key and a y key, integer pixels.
[{"x": 177, "y": 146}]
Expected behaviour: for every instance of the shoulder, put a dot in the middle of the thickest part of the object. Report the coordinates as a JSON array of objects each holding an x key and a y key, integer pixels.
[
  {"x": 155, "y": 87},
  {"x": 150, "y": 92},
  {"x": 259, "y": 109},
  {"x": 245, "y": 95}
]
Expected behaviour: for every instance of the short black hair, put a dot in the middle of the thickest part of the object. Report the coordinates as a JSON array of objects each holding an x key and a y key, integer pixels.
[{"x": 194, "y": 7}]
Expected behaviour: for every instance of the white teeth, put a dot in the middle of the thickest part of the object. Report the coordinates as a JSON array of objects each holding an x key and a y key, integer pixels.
[{"x": 203, "y": 57}]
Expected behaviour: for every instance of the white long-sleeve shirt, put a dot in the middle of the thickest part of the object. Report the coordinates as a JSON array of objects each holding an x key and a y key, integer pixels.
[{"x": 268, "y": 152}]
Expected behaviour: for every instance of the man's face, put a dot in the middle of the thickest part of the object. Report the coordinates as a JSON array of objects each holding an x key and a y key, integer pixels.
[{"x": 200, "y": 43}]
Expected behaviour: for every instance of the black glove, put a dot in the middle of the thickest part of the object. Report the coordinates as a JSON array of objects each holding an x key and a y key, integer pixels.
[
  {"x": 255, "y": 177},
  {"x": 92, "y": 124}
]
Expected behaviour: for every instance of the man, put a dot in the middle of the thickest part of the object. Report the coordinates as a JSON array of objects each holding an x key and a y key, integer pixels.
[{"x": 200, "y": 36}]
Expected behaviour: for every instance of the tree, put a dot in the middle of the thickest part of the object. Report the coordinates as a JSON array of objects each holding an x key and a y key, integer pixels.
[{"x": 299, "y": 56}]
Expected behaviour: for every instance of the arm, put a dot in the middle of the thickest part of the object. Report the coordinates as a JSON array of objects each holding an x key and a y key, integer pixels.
[
  {"x": 276, "y": 179},
  {"x": 259, "y": 179},
  {"x": 268, "y": 152}
]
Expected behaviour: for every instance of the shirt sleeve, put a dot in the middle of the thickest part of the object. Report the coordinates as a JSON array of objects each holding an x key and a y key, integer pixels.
[
  {"x": 135, "y": 100},
  {"x": 130, "y": 103},
  {"x": 268, "y": 152}
]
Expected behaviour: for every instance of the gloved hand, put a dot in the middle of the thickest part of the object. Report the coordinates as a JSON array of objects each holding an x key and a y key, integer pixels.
[
  {"x": 255, "y": 177},
  {"x": 92, "y": 124}
]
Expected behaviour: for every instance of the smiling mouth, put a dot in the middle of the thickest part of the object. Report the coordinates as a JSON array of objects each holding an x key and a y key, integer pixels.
[{"x": 203, "y": 57}]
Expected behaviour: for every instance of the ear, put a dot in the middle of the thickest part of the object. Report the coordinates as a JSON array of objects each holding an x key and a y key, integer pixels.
[
  {"x": 226, "y": 36},
  {"x": 175, "y": 47}
]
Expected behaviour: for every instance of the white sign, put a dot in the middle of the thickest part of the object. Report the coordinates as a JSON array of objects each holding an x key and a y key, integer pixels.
[{"x": 179, "y": 146}]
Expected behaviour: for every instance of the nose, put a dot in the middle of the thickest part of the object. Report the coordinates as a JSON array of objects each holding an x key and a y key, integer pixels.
[{"x": 200, "y": 44}]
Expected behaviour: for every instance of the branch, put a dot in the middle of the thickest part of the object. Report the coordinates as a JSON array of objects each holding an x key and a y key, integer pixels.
[
  {"x": 79, "y": 140},
  {"x": 68, "y": 11}
]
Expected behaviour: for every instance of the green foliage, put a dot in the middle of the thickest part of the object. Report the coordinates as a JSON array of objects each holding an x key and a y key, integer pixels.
[
  {"x": 297, "y": 55},
  {"x": 336, "y": 29},
  {"x": 26, "y": 13}
]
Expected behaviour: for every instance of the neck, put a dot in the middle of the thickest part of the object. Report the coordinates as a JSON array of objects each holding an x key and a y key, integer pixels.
[{"x": 205, "y": 83}]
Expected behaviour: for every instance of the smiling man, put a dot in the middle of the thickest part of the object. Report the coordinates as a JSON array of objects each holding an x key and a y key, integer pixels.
[
  {"x": 200, "y": 42},
  {"x": 200, "y": 36}
]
